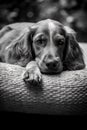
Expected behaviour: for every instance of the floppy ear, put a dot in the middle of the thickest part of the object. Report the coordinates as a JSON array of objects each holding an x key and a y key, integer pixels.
[
  {"x": 20, "y": 50},
  {"x": 73, "y": 54}
]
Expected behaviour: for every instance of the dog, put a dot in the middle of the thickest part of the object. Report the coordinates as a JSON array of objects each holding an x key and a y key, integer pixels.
[{"x": 46, "y": 47}]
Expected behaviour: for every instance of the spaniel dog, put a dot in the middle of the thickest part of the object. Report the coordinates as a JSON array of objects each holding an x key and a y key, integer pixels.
[{"x": 44, "y": 47}]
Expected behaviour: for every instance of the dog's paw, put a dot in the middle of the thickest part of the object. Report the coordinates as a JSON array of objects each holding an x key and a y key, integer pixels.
[{"x": 32, "y": 77}]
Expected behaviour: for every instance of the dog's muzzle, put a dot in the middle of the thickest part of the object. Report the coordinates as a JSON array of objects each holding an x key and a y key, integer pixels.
[{"x": 51, "y": 66}]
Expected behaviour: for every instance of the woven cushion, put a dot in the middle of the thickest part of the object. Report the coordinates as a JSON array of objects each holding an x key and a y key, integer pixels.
[{"x": 65, "y": 93}]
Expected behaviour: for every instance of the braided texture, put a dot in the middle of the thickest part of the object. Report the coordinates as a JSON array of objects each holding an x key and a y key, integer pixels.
[{"x": 65, "y": 93}]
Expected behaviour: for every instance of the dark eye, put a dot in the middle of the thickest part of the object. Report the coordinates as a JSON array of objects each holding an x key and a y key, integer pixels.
[
  {"x": 60, "y": 42},
  {"x": 41, "y": 42}
]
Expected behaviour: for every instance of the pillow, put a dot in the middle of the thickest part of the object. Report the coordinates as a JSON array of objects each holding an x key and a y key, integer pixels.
[
  {"x": 60, "y": 94},
  {"x": 65, "y": 93}
]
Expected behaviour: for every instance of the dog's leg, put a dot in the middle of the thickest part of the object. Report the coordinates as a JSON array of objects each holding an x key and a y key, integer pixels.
[{"x": 32, "y": 73}]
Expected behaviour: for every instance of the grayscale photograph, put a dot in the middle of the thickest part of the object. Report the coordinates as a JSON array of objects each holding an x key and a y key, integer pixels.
[{"x": 43, "y": 57}]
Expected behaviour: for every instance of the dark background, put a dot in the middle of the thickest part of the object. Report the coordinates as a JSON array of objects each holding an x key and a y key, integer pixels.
[{"x": 70, "y": 12}]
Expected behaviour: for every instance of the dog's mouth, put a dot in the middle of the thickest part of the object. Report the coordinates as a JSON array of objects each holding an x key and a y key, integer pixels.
[
  {"x": 51, "y": 71},
  {"x": 47, "y": 70}
]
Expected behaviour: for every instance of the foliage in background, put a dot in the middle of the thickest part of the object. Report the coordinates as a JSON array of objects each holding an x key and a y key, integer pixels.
[{"x": 69, "y": 12}]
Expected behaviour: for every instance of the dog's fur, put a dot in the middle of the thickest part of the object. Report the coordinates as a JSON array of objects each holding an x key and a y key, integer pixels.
[{"x": 46, "y": 46}]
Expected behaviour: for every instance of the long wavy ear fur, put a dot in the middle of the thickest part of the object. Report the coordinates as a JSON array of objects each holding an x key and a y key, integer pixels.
[
  {"x": 20, "y": 50},
  {"x": 73, "y": 54}
]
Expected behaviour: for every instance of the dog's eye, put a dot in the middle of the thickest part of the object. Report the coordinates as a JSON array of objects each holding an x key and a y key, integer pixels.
[
  {"x": 41, "y": 42},
  {"x": 60, "y": 42}
]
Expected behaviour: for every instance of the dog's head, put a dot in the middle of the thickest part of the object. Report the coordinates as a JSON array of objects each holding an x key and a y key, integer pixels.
[
  {"x": 53, "y": 46},
  {"x": 48, "y": 44}
]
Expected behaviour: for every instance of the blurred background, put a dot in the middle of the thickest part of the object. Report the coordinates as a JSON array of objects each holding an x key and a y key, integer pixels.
[{"x": 69, "y": 12}]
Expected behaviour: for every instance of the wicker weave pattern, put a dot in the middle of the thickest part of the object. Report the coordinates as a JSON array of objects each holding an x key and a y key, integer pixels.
[{"x": 59, "y": 94}]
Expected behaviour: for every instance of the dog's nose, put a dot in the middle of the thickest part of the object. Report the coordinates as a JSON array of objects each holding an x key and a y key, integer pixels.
[{"x": 52, "y": 64}]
